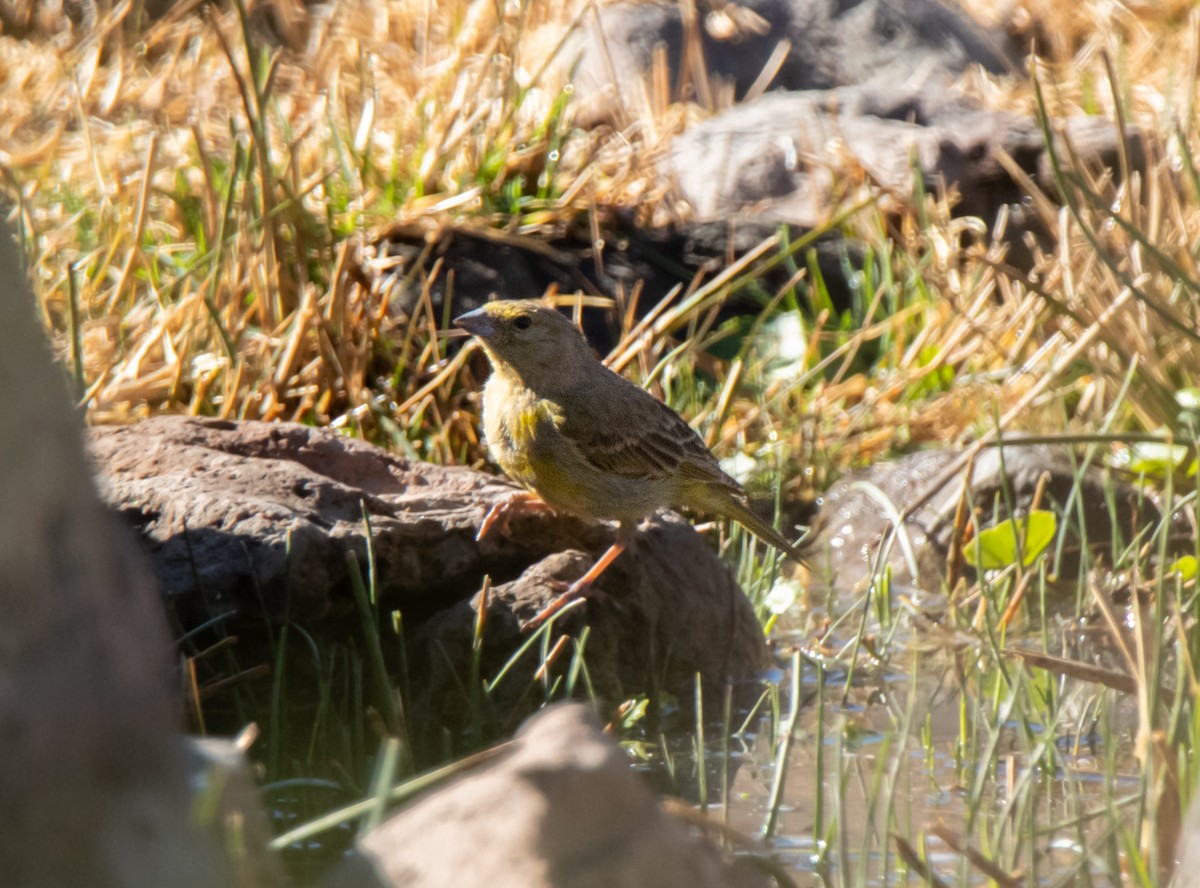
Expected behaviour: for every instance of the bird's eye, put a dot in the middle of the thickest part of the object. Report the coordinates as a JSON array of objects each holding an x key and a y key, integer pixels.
[{"x": 522, "y": 322}]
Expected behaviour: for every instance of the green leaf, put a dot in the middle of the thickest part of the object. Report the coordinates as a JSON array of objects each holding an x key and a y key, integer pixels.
[
  {"x": 633, "y": 711},
  {"x": 996, "y": 547},
  {"x": 1185, "y": 567},
  {"x": 1156, "y": 459}
]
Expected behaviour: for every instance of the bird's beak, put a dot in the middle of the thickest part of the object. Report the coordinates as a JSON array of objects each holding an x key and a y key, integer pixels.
[{"x": 478, "y": 323}]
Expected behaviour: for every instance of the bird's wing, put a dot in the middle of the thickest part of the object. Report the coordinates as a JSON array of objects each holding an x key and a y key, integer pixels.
[{"x": 646, "y": 440}]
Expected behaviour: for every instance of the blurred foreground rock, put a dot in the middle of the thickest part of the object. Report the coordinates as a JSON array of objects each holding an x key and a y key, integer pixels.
[
  {"x": 238, "y": 516},
  {"x": 1187, "y": 868},
  {"x": 224, "y": 784},
  {"x": 560, "y": 809},
  {"x": 93, "y": 778}
]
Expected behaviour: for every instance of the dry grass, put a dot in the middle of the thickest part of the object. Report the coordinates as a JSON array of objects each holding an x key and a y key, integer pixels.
[
  {"x": 201, "y": 192},
  {"x": 211, "y": 196}
]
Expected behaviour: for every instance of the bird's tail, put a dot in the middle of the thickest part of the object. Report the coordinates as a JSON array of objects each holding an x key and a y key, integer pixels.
[{"x": 742, "y": 514}]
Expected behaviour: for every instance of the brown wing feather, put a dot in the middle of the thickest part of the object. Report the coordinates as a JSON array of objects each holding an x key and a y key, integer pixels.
[{"x": 651, "y": 441}]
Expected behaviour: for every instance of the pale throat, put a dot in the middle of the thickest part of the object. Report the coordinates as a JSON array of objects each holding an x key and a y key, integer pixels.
[{"x": 543, "y": 373}]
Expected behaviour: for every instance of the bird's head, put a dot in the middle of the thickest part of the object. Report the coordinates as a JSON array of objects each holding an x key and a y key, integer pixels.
[{"x": 536, "y": 342}]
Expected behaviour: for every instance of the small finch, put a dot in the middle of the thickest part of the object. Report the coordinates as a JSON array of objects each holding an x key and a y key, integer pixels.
[{"x": 587, "y": 441}]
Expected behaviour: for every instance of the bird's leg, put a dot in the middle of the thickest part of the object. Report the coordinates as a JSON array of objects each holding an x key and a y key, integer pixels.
[
  {"x": 582, "y": 587},
  {"x": 503, "y": 511}
]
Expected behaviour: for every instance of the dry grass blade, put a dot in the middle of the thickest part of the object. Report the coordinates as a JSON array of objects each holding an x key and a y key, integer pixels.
[
  {"x": 913, "y": 860},
  {"x": 254, "y": 673},
  {"x": 686, "y": 812},
  {"x": 1061, "y": 362},
  {"x": 1109, "y": 678},
  {"x": 982, "y": 863}
]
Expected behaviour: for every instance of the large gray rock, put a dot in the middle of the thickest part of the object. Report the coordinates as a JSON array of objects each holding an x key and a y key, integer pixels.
[
  {"x": 867, "y": 81},
  {"x": 672, "y": 613},
  {"x": 830, "y": 43},
  {"x": 776, "y": 157},
  {"x": 562, "y": 809},
  {"x": 220, "y": 503}
]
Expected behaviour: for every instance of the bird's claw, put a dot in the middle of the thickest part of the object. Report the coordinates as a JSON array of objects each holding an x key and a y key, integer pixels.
[{"x": 502, "y": 512}]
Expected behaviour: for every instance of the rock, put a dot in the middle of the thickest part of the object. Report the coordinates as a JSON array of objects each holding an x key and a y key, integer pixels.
[
  {"x": 93, "y": 779},
  {"x": 854, "y": 524},
  {"x": 770, "y": 157},
  {"x": 828, "y": 44},
  {"x": 225, "y": 784},
  {"x": 217, "y": 503},
  {"x": 285, "y": 22},
  {"x": 672, "y": 613},
  {"x": 23, "y": 19},
  {"x": 561, "y": 809},
  {"x": 649, "y": 262},
  {"x": 1187, "y": 869}
]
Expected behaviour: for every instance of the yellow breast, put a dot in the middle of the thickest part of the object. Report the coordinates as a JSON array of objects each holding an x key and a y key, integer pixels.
[
  {"x": 524, "y": 438},
  {"x": 513, "y": 420}
]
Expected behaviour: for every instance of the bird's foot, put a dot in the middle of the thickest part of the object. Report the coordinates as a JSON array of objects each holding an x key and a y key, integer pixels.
[
  {"x": 581, "y": 588},
  {"x": 574, "y": 592},
  {"x": 519, "y": 503}
]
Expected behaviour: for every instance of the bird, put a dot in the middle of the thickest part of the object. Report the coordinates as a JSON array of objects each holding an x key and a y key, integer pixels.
[{"x": 585, "y": 441}]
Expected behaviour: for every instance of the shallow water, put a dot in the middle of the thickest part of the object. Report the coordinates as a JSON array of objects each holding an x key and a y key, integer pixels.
[
  {"x": 1032, "y": 773},
  {"x": 891, "y": 760}
]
